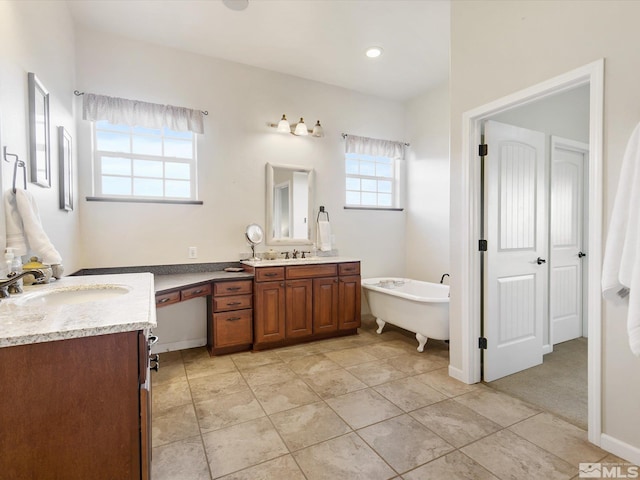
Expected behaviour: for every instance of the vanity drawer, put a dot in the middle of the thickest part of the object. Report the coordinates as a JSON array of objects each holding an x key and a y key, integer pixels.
[
  {"x": 232, "y": 302},
  {"x": 267, "y": 274},
  {"x": 312, "y": 271},
  {"x": 233, "y": 328},
  {"x": 351, "y": 268},
  {"x": 232, "y": 288},
  {"x": 167, "y": 298},
  {"x": 193, "y": 292}
]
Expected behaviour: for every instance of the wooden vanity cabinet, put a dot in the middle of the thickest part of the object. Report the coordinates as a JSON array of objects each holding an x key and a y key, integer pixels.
[
  {"x": 76, "y": 409},
  {"x": 230, "y": 314},
  {"x": 305, "y": 302}
]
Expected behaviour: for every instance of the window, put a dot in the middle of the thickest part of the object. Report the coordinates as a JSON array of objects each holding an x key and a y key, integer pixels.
[
  {"x": 143, "y": 163},
  {"x": 372, "y": 173},
  {"x": 370, "y": 181}
]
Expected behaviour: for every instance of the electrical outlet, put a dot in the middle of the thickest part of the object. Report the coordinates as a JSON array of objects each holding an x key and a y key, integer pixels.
[{"x": 193, "y": 252}]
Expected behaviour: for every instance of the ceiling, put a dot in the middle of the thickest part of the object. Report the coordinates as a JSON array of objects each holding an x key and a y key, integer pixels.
[{"x": 321, "y": 40}]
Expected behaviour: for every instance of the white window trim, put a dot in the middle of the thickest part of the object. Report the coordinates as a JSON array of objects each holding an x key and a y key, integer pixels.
[
  {"x": 396, "y": 187},
  {"x": 97, "y": 155}
]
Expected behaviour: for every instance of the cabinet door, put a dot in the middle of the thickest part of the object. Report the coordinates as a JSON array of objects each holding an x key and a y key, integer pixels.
[
  {"x": 269, "y": 311},
  {"x": 299, "y": 308},
  {"x": 349, "y": 302},
  {"x": 325, "y": 305}
]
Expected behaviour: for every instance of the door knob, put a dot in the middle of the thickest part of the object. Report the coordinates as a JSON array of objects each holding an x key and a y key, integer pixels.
[
  {"x": 540, "y": 261},
  {"x": 581, "y": 254}
]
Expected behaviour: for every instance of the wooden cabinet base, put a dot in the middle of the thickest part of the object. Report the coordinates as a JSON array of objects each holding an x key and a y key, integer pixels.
[
  {"x": 71, "y": 409},
  {"x": 298, "y": 340}
]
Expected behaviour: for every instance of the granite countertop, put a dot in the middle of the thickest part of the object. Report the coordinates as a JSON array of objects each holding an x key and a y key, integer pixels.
[
  {"x": 173, "y": 281},
  {"x": 280, "y": 262},
  {"x": 25, "y": 320}
]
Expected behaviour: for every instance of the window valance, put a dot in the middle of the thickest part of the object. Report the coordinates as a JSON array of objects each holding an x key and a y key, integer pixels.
[
  {"x": 374, "y": 147},
  {"x": 121, "y": 111}
]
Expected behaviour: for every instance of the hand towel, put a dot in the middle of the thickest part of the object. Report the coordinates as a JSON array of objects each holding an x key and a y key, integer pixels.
[
  {"x": 324, "y": 235},
  {"x": 13, "y": 223},
  {"x": 621, "y": 265},
  {"x": 38, "y": 240}
]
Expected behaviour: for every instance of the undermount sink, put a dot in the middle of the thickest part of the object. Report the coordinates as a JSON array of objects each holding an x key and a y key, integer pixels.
[{"x": 72, "y": 295}]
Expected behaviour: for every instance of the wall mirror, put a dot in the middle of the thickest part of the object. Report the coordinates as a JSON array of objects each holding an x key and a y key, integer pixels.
[
  {"x": 39, "y": 140},
  {"x": 289, "y": 192},
  {"x": 254, "y": 235}
]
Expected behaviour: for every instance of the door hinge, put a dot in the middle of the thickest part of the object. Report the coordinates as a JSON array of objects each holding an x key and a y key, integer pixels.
[
  {"x": 482, "y": 245},
  {"x": 482, "y": 150},
  {"x": 482, "y": 343}
]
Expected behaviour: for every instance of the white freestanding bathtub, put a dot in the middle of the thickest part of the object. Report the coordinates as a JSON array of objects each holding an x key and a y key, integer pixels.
[{"x": 420, "y": 307}]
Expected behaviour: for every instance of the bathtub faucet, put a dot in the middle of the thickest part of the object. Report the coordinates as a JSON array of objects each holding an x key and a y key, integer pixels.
[{"x": 442, "y": 278}]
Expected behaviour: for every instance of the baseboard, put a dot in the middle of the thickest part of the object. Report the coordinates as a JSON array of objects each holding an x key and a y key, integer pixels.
[
  {"x": 457, "y": 374},
  {"x": 171, "y": 347},
  {"x": 547, "y": 349},
  {"x": 621, "y": 449}
]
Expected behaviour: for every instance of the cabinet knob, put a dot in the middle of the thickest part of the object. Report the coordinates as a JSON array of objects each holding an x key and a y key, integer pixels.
[
  {"x": 233, "y": 319},
  {"x": 164, "y": 300}
]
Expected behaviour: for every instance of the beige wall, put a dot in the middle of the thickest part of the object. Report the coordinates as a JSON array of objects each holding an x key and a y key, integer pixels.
[
  {"x": 40, "y": 38},
  {"x": 232, "y": 155},
  {"x": 427, "y": 247},
  {"x": 500, "y": 47}
]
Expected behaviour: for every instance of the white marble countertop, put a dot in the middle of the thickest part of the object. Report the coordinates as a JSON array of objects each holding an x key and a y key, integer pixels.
[
  {"x": 280, "y": 262},
  {"x": 25, "y": 320}
]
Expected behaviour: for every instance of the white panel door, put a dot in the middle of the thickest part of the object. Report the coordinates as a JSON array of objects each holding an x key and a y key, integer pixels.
[
  {"x": 515, "y": 273},
  {"x": 566, "y": 248}
]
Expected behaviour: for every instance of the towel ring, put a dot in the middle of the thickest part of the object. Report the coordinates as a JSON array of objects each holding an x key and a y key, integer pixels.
[
  {"x": 322, "y": 210},
  {"x": 18, "y": 163}
]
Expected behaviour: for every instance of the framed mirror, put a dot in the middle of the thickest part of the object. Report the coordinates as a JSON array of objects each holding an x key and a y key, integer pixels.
[
  {"x": 39, "y": 139},
  {"x": 289, "y": 192}
]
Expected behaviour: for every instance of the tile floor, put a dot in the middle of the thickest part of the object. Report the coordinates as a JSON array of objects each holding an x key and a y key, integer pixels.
[{"x": 361, "y": 407}]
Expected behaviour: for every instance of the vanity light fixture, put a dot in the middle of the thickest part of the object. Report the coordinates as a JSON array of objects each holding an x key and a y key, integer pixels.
[{"x": 298, "y": 129}]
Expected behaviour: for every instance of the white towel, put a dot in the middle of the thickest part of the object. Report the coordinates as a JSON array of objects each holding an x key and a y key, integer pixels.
[
  {"x": 13, "y": 223},
  {"x": 621, "y": 265},
  {"x": 36, "y": 237},
  {"x": 324, "y": 235}
]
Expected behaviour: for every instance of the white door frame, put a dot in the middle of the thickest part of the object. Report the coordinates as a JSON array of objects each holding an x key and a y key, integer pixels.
[{"x": 469, "y": 294}]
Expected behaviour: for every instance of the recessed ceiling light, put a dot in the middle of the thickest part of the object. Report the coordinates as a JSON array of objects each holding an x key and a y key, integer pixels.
[
  {"x": 374, "y": 52},
  {"x": 236, "y": 4}
]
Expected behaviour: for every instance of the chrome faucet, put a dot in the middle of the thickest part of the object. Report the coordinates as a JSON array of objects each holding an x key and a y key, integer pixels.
[
  {"x": 444, "y": 275},
  {"x": 12, "y": 281}
]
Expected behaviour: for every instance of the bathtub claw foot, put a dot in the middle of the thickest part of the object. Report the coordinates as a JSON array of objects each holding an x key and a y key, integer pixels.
[
  {"x": 422, "y": 340},
  {"x": 381, "y": 323}
]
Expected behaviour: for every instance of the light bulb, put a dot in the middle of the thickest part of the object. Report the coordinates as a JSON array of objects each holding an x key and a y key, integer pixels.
[
  {"x": 317, "y": 130},
  {"x": 283, "y": 125},
  {"x": 374, "y": 52},
  {"x": 301, "y": 128}
]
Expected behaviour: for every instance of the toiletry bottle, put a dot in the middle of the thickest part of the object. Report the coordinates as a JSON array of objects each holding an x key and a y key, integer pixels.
[
  {"x": 16, "y": 266},
  {"x": 314, "y": 251},
  {"x": 8, "y": 258}
]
